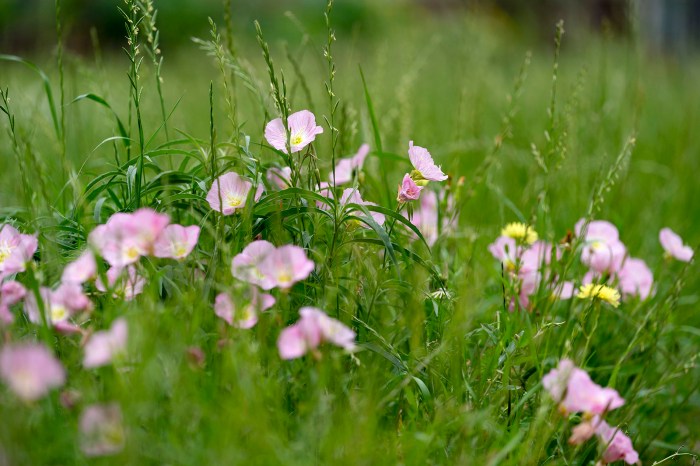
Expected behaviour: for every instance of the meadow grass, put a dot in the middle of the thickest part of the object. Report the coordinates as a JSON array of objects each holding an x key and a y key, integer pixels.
[{"x": 444, "y": 373}]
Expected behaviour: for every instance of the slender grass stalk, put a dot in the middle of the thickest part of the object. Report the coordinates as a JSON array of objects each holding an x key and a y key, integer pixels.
[{"x": 61, "y": 84}]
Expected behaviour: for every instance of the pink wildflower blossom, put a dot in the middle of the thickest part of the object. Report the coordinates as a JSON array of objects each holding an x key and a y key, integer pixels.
[
  {"x": 124, "y": 281},
  {"x": 603, "y": 251},
  {"x": 60, "y": 305},
  {"x": 176, "y": 241},
  {"x": 285, "y": 266},
  {"x": 16, "y": 250},
  {"x": 11, "y": 293},
  {"x": 30, "y": 370},
  {"x": 102, "y": 347},
  {"x": 313, "y": 328},
  {"x": 280, "y": 177},
  {"x": 345, "y": 167},
  {"x": 425, "y": 168},
  {"x": 228, "y": 193},
  {"x": 246, "y": 265},
  {"x": 425, "y": 218},
  {"x": 408, "y": 189},
  {"x": 82, "y": 269},
  {"x": 673, "y": 245},
  {"x": 101, "y": 430},
  {"x": 352, "y": 196},
  {"x": 619, "y": 445},
  {"x": 247, "y": 316},
  {"x": 635, "y": 278},
  {"x": 302, "y": 131}
]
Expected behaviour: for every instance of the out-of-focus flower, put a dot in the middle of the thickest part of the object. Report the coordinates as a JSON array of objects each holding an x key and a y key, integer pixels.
[
  {"x": 602, "y": 251},
  {"x": 30, "y": 370},
  {"x": 11, "y": 293},
  {"x": 125, "y": 282},
  {"x": 16, "y": 249},
  {"x": 228, "y": 193},
  {"x": 82, "y": 269},
  {"x": 176, "y": 241},
  {"x": 246, "y": 316},
  {"x": 280, "y": 177},
  {"x": 619, "y": 445},
  {"x": 245, "y": 266},
  {"x": 673, "y": 245},
  {"x": 635, "y": 278},
  {"x": 59, "y": 305},
  {"x": 583, "y": 431},
  {"x": 424, "y": 168},
  {"x": 104, "y": 346},
  {"x": 564, "y": 290},
  {"x": 602, "y": 292},
  {"x": 302, "y": 131},
  {"x": 507, "y": 251},
  {"x": 408, "y": 190},
  {"x": 352, "y": 196},
  {"x": 344, "y": 168},
  {"x": 425, "y": 218},
  {"x": 285, "y": 266},
  {"x": 101, "y": 430},
  {"x": 313, "y": 328},
  {"x": 520, "y": 232}
]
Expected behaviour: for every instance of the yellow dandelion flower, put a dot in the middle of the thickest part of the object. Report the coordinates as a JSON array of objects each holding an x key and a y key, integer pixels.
[
  {"x": 520, "y": 232},
  {"x": 602, "y": 292}
]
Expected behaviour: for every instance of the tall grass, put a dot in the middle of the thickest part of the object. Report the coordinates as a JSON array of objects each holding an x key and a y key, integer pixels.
[{"x": 445, "y": 373}]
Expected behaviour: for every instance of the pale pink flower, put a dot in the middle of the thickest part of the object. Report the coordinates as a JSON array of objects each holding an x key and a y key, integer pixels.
[
  {"x": 228, "y": 193},
  {"x": 280, "y": 177},
  {"x": 425, "y": 218},
  {"x": 582, "y": 432},
  {"x": 59, "y": 306},
  {"x": 245, "y": 266},
  {"x": 564, "y": 290},
  {"x": 619, "y": 445},
  {"x": 247, "y": 316},
  {"x": 313, "y": 328},
  {"x": 30, "y": 370},
  {"x": 82, "y": 269},
  {"x": 101, "y": 430},
  {"x": 602, "y": 251},
  {"x": 176, "y": 241},
  {"x": 285, "y": 266},
  {"x": 506, "y": 250},
  {"x": 302, "y": 131},
  {"x": 11, "y": 293},
  {"x": 124, "y": 285},
  {"x": 104, "y": 346},
  {"x": 259, "y": 191},
  {"x": 673, "y": 245},
  {"x": 584, "y": 395},
  {"x": 408, "y": 190},
  {"x": 344, "y": 168},
  {"x": 126, "y": 237},
  {"x": 635, "y": 278},
  {"x": 423, "y": 163},
  {"x": 352, "y": 196},
  {"x": 16, "y": 250}
]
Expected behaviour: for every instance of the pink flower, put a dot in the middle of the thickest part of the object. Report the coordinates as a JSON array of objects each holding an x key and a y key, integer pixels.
[
  {"x": 408, "y": 189},
  {"x": 30, "y": 370},
  {"x": 126, "y": 237},
  {"x": 16, "y": 250},
  {"x": 344, "y": 168},
  {"x": 103, "y": 346},
  {"x": 285, "y": 266},
  {"x": 582, "y": 432},
  {"x": 352, "y": 196},
  {"x": 101, "y": 430},
  {"x": 673, "y": 245},
  {"x": 280, "y": 177},
  {"x": 619, "y": 445},
  {"x": 125, "y": 285},
  {"x": 302, "y": 131},
  {"x": 11, "y": 293},
  {"x": 246, "y": 317},
  {"x": 228, "y": 193},
  {"x": 82, "y": 269},
  {"x": 426, "y": 217},
  {"x": 59, "y": 305},
  {"x": 603, "y": 251},
  {"x": 635, "y": 278},
  {"x": 313, "y": 328},
  {"x": 423, "y": 163},
  {"x": 176, "y": 241},
  {"x": 245, "y": 266},
  {"x": 505, "y": 250},
  {"x": 564, "y": 290}
]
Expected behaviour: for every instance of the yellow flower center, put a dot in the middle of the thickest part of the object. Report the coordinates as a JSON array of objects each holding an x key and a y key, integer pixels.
[
  {"x": 132, "y": 253},
  {"x": 5, "y": 252},
  {"x": 58, "y": 313},
  {"x": 284, "y": 277},
  {"x": 602, "y": 292},
  {"x": 246, "y": 313},
  {"x": 179, "y": 249},
  {"x": 520, "y": 232},
  {"x": 233, "y": 200},
  {"x": 296, "y": 139}
]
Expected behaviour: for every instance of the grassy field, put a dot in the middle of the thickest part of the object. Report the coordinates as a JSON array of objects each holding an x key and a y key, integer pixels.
[{"x": 445, "y": 370}]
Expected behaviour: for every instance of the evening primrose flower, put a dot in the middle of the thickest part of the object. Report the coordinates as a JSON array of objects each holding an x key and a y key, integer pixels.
[
  {"x": 520, "y": 232},
  {"x": 176, "y": 241},
  {"x": 30, "y": 370},
  {"x": 280, "y": 177},
  {"x": 82, "y": 269},
  {"x": 103, "y": 346},
  {"x": 424, "y": 168},
  {"x": 635, "y": 278},
  {"x": 11, "y": 293},
  {"x": 603, "y": 251},
  {"x": 246, "y": 316},
  {"x": 408, "y": 190},
  {"x": 602, "y": 292},
  {"x": 228, "y": 193},
  {"x": 618, "y": 444},
  {"x": 125, "y": 285},
  {"x": 302, "y": 131},
  {"x": 313, "y": 328},
  {"x": 60, "y": 305},
  {"x": 101, "y": 430},
  {"x": 673, "y": 245},
  {"x": 352, "y": 196},
  {"x": 245, "y": 266},
  {"x": 16, "y": 250},
  {"x": 285, "y": 266},
  {"x": 345, "y": 167}
]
